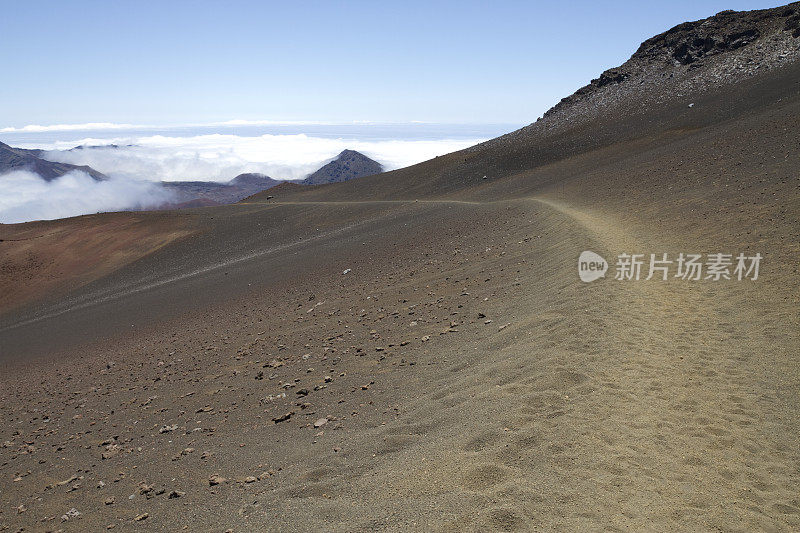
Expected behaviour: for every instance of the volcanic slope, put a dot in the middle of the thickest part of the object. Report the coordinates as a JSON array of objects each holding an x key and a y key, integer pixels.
[{"x": 415, "y": 351}]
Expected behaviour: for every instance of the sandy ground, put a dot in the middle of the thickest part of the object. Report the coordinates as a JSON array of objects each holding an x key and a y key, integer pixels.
[
  {"x": 459, "y": 376},
  {"x": 49, "y": 258}
]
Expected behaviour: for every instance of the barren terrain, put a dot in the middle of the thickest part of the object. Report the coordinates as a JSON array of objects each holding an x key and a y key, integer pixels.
[{"x": 414, "y": 351}]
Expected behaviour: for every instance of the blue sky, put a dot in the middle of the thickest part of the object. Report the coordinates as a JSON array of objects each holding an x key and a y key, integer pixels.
[{"x": 172, "y": 62}]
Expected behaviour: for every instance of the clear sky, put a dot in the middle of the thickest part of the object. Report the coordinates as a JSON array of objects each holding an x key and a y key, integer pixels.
[{"x": 171, "y": 62}]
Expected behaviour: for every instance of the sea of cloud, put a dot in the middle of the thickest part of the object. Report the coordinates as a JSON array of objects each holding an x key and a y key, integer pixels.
[
  {"x": 139, "y": 160},
  {"x": 221, "y": 157}
]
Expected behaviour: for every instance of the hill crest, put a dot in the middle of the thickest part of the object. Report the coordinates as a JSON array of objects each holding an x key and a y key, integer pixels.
[{"x": 348, "y": 165}]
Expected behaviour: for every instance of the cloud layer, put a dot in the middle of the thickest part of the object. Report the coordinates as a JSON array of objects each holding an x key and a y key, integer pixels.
[
  {"x": 220, "y": 157},
  {"x": 137, "y": 163},
  {"x": 25, "y": 196},
  {"x": 112, "y": 126},
  {"x": 87, "y": 126}
]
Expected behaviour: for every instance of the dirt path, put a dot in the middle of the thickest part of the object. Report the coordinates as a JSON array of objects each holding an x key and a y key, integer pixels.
[{"x": 685, "y": 425}]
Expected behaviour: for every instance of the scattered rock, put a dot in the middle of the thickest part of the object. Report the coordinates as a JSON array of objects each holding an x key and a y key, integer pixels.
[
  {"x": 110, "y": 452},
  {"x": 69, "y": 515},
  {"x": 216, "y": 480},
  {"x": 146, "y": 490}
]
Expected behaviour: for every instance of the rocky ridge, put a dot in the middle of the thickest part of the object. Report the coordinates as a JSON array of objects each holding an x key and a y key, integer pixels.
[{"x": 689, "y": 59}]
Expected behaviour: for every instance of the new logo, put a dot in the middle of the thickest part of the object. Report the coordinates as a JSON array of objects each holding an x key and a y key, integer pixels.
[{"x": 591, "y": 266}]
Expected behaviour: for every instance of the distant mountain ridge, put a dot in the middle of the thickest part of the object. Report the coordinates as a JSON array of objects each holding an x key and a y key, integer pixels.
[
  {"x": 348, "y": 165},
  {"x": 196, "y": 193},
  {"x": 12, "y": 159}
]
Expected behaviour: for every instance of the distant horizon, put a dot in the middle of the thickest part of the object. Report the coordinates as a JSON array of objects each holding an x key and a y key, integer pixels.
[{"x": 232, "y": 123}]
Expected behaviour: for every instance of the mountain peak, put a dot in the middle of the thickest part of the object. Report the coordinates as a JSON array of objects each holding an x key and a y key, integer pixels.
[{"x": 348, "y": 165}]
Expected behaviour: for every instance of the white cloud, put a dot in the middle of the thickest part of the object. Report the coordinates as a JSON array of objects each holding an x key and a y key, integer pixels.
[
  {"x": 220, "y": 157},
  {"x": 111, "y": 126},
  {"x": 88, "y": 126},
  {"x": 244, "y": 122},
  {"x": 24, "y": 196}
]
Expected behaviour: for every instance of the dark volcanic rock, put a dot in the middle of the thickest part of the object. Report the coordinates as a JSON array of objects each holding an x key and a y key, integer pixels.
[
  {"x": 20, "y": 159},
  {"x": 348, "y": 165},
  {"x": 691, "y": 41}
]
